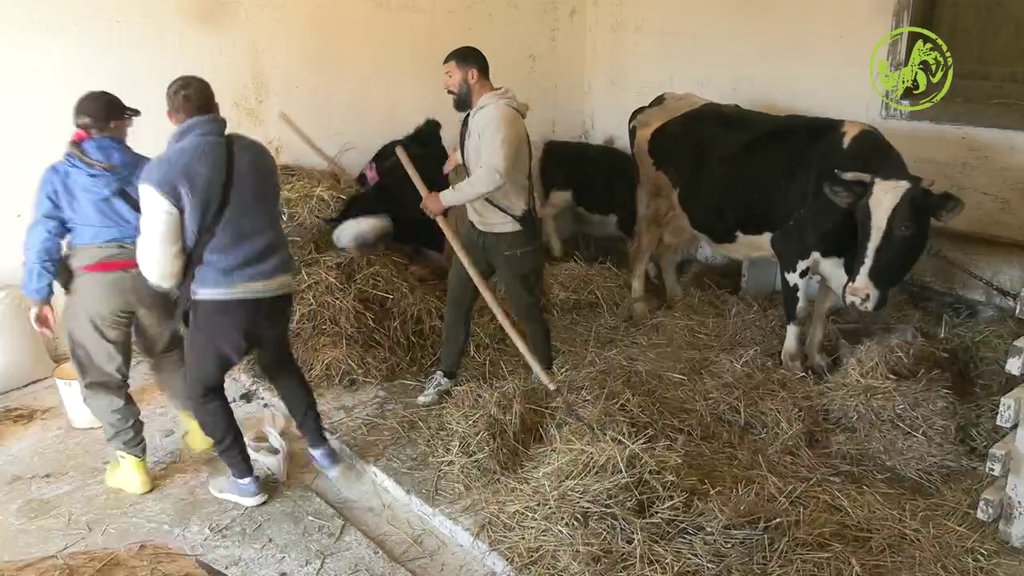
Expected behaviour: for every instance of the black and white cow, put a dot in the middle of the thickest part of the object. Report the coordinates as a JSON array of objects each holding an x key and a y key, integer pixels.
[
  {"x": 598, "y": 180},
  {"x": 388, "y": 206},
  {"x": 821, "y": 196},
  {"x": 426, "y": 136}
]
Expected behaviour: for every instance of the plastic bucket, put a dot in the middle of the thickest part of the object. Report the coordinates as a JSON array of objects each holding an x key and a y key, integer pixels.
[{"x": 71, "y": 395}]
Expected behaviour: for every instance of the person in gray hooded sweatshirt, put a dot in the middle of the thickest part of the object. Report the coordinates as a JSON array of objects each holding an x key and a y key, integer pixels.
[
  {"x": 503, "y": 237},
  {"x": 238, "y": 286}
]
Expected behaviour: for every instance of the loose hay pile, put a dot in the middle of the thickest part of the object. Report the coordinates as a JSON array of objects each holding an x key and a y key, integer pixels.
[
  {"x": 355, "y": 317},
  {"x": 709, "y": 458}
]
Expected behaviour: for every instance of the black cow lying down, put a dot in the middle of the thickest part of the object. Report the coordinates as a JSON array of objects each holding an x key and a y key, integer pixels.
[
  {"x": 598, "y": 180},
  {"x": 388, "y": 206},
  {"x": 822, "y": 196},
  {"x": 426, "y": 136}
]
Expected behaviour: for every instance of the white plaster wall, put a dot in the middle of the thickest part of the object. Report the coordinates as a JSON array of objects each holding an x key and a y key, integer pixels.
[
  {"x": 352, "y": 73},
  {"x": 789, "y": 56},
  {"x": 356, "y": 73}
]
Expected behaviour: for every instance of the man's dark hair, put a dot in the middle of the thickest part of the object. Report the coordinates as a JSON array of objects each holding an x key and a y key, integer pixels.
[
  {"x": 469, "y": 57},
  {"x": 189, "y": 96}
]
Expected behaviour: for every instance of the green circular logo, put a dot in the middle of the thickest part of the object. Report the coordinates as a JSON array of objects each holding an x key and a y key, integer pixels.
[{"x": 925, "y": 77}]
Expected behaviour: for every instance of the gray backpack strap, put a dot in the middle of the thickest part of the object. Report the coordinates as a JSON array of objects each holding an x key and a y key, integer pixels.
[{"x": 195, "y": 256}]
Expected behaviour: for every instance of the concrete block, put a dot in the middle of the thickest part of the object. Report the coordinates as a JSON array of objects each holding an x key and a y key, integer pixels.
[
  {"x": 990, "y": 505},
  {"x": 1000, "y": 455},
  {"x": 759, "y": 277},
  {"x": 1011, "y": 524},
  {"x": 1015, "y": 359},
  {"x": 1009, "y": 408}
]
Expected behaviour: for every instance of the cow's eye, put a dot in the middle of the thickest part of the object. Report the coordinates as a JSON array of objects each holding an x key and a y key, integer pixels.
[{"x": 904, "y": 229}]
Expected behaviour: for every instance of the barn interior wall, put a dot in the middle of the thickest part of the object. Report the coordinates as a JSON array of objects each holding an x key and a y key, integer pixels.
[
  {"x": 352, "y": 74},
  {"x": 808, "y": 57}
]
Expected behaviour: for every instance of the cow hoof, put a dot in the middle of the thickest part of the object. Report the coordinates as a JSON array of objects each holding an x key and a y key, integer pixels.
[
  {"x": 641, "y": 311},
  {"x": 673, "y": 293},
  {"x": 792, "y": 362},
  {"x": 819, "y": 364}
]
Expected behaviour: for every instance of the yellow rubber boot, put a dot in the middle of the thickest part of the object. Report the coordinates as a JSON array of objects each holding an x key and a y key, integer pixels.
[
  {"x": 195, "y": 438},
  {"x": 129, "y": 473}
]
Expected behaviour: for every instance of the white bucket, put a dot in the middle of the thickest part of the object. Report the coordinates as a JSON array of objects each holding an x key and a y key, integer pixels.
[{"x": 71, "y": 395}]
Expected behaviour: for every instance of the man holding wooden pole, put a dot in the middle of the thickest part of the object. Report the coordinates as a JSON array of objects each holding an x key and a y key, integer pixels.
[{"x": 503, "y": 236}]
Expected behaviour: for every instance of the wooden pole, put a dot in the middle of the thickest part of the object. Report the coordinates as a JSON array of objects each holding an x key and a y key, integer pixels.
[
  {"x": 481, "y": 284},
  {"x": 309, "y": 142}
]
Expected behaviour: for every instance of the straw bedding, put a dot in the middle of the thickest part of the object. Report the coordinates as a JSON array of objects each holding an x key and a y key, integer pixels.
[
  {"x": 355, "y": 317},
  {"x": 707, "y": 458}
]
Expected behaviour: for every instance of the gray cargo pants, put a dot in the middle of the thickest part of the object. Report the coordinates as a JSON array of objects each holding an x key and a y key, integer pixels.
[
  {"x": 103, "y": 311},
  {"x": 516, "y": 259}
]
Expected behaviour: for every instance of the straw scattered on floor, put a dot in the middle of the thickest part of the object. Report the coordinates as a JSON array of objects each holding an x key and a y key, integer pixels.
[{"x": 708, "y": 458}]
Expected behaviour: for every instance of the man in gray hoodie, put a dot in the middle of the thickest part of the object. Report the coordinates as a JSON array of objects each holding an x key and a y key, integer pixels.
[{"x": 503, "y": 237}]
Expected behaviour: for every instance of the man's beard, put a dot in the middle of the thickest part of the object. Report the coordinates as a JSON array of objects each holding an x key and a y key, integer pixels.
[{"x": 462, "y": 100}]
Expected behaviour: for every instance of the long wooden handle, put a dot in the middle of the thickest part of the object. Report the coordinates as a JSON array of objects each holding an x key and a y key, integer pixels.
[
  {"x": 309, "y": 142},
  {"x": 481, "y": 284}
]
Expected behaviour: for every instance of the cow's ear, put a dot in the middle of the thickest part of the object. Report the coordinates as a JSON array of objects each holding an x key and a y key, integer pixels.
[
  {"x": 848, "y": 188},
  {"x": 944, "y": 206}
]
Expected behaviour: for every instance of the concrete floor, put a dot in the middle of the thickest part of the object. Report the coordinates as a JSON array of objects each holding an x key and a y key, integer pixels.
[{"x": 53, "y": 500}]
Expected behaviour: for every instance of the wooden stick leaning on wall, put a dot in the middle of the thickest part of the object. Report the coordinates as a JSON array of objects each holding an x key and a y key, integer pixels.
[{"x": 481, "y": 284}]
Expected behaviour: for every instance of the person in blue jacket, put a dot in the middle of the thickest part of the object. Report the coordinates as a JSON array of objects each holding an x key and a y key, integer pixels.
[{"x": 90, "y": 198}]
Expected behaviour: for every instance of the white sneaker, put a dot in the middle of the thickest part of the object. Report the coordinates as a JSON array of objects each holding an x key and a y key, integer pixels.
[{"x": 435, "y": 386}]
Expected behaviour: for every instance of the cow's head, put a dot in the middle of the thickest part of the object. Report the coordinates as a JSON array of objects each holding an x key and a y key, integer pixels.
[
  {"x": 425, "y": 138},
  {"x": 893, "y": 223}
]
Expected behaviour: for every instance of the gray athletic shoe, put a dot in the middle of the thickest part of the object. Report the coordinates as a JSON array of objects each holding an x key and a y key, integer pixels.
[
  {"x": 435, "y": 386},
  {"x": 246, "y": 493},
  {"x": 327, "y": 460}
]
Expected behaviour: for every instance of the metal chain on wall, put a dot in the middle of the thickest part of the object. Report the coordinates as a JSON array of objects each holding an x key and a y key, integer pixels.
[{"x": 1008, "y": 294}]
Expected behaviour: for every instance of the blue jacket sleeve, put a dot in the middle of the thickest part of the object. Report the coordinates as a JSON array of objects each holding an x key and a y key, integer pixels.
[{"x": 43, "y": 241}]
